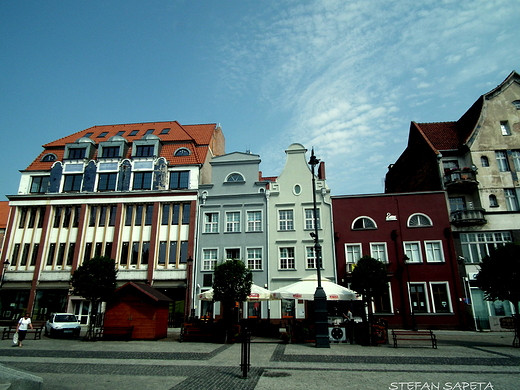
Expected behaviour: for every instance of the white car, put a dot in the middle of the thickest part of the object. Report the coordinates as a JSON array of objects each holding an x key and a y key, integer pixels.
[{"x": 62, "y": 324}]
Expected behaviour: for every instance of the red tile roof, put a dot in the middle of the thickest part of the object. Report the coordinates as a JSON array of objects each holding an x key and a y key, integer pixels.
[
  {"x": 442, "y": 135},
  {"x": 196, "y": 138},
  {"x": 4, "y": 214}
]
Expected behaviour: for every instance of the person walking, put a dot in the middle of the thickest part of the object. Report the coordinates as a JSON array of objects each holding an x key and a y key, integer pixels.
[{"x": 24, "y": 324}]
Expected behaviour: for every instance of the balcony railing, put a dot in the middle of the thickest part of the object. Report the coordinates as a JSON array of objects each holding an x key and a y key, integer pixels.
[
  {"x": 468, "y": 217},
  {"x": 460, "y": 178}
]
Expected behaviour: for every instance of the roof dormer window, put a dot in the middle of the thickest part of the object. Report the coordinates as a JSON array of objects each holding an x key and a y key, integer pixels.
[
  {"x": 144, "y": 151},
  {"x": 182, "y": 152},
  {"x": 49, "y": 157},
  {"x": 77, "y": 153}
]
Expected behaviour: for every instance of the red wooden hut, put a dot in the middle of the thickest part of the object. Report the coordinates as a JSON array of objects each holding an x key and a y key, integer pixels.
[{"x": 140, "y": 306}]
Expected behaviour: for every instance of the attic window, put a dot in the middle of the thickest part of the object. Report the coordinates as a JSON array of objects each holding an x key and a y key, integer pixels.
[
  {"x": 516, "y": 103},
  {"x": 362, "y": 223},
  {"x": 504, "y": 127},
  {"x": 235, "y": 177},
  {"x": 419, "y": 220},
  {"x": 88, "y": 135},
  {"x": 133, "y": 133},
  {"x": 149, "y": 131},
  {"x": 120, "y": 133},
  {"x": 181, "y": 152},
  {"x": 103, "y": 134},
  {"x": 49, "y": 157},
  {"x": 165, "y": 131}
]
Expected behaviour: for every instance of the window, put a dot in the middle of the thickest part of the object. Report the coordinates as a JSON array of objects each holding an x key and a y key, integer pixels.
[
  {"x": 142, "y": 181},
  {"x": 511, "y": 199},
  {"x": 233, "y": 222},
  {"x": 209, "y": 259},
  {"x": 254, "y": 221},
  {"x": 288, "y": 308},
  {"x": 364, "y": 223},
  {"x": 457, "y": 203},
  {"x": 211, "y": 223},
  {"x": 504, "y": 127},
  {"x": 182, "y": 152},
  {"x": 419, "y": 220},
  {"x": 144, "y": 150},
  {"x": 418, "y": 298},
  {"x": 77, "y": 153},
  {"x": 309, "y": 219},
  {"x": 484, "y": 161},
  {"x": 434, "y": 253},
  {"x": 413, "y": 251},
  {"x": 14, "y": 255},
  {"x": 254, "y": 258},
  {"x": 501, "y": 156},
  {"x": 287, "y": 258},
  {"x": 110, "y": 151},
  {"x": 149, "y": 131},
  {"x": 165, "y": 131},
  {"x": 383, "y": 303},
  {"x": 254, "y": 309},
  {"x": 103, "y": 134},
  {"x": 120, "y": 133},
  {"x": 493, "y": 202},
  {"x": 72, "y": 183},
  {"x": 476, "y": 246},
  {"x": 235, "y": 177},
  {"x": 133, "y": 133},
  {"x": 378, "y": 251},
  {"x": 311, "y": 259},
  {"x": 40, "y": 184},
  {"x": 186, "y": 213},
  {"x": 353, "y": 253},
  {"x": 49, "y": 157},
  {"x": 233, "y": 254},
  {"x": 285, "y": 220},
  {"x": 107, "y": 181},
  {"x": 179, "y": 180},
  {"x": 515, "y": 154},
  {"x": 516, "y": 103},
  {"x": 440, "y": 298}
]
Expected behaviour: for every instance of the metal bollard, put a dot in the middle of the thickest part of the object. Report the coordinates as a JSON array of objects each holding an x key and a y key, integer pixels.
[{"x": 245, "y": 361}]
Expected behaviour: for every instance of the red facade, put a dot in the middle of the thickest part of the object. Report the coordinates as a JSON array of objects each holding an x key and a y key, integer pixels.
[{"x": 412, "y": 234}]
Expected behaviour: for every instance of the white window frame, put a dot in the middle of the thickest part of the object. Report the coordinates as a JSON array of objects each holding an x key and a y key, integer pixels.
[
  {"x": 501, "y": 157},
  {"x": 309, "y": 218},
  {"x": 375, "y": 252},
  {"x": 310, "y": 257},
  {"x": 426, "y": 297},
  {"x": 476, "y": 246},
  {"x": 233, "y": 225},
  {"x": 409, "y": 252},
  {"x": 511, "y": 199},
  {"x": 285, "y": 259},
  {"x": 254, "y": 262},
  {"x": 515, "y": 154},
  {"x": 434, "y": 308},
  {"x": 438, "y": 253},
  {"x": 208, "y": 263},
  {"x": 504, "y": 128},
  {"x": 286, "y": 224},
  {"x": 420, "y": 219},
  {"x": 254, "y": 225},
  {"x": 363, "y": 218},
  {"x": 209, "y": 225}
]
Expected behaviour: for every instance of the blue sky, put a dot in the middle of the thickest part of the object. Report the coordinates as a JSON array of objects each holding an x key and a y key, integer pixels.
[{"x": 345, "y": 77}]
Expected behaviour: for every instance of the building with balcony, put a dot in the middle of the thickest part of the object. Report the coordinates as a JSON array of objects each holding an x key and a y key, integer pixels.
[
  {"x": 476, "y": 162},
  {"x": 125, "y": 191}
]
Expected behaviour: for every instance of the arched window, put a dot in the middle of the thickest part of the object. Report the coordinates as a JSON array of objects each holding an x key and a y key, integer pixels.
[
  {"x": 182, "y": 152},
  {"x": 419, "y": 220},
  {"x": 361, "y": 223},
  {"x": 484, "y": 161},
  {"x": 493, "y": 201},
  {"x": 49, "y": 157},
  {"x": 235, "y": 177}
]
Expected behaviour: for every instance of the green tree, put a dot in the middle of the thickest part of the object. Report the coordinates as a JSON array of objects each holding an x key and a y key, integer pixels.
[
  {"x": 95, "y": 280},
  {"x": 370, "y": 279},
  {"x": 231, "y": 284}
]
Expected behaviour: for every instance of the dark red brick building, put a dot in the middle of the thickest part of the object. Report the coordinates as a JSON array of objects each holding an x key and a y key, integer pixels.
[{"x": 411, "y": 233}]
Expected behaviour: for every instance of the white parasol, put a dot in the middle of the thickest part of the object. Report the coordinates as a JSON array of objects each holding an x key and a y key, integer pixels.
[
  {"x": 306, "y": 287},
  {"x": 257, "y": 294}
]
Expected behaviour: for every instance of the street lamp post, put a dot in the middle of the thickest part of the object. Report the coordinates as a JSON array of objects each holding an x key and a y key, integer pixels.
[{"x": 320, "y": 298}]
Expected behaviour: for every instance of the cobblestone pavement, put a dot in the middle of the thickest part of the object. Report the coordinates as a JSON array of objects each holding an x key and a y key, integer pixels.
[{"x": 463, "y": 361}]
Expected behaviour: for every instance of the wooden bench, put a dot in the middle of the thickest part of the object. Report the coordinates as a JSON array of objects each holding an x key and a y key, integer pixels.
[
  {"x": 414, "y": 335},
  {"x": 190, "y": 332},
  {"x": 123, "y": 333},
  {"x": 37, "y": 330}
]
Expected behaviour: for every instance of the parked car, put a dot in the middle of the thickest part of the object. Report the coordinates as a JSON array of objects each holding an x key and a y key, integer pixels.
[{"x": 62, "y": 324}]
